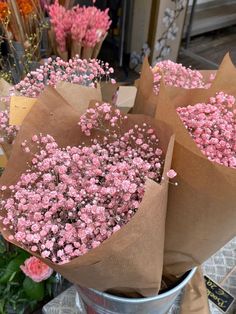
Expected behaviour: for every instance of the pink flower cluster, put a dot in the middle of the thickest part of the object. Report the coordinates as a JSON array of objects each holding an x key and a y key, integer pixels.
[
  {"x": 86, "y": 25},
  {"x": 61, "y": 20},
  {"x": 212, "y": 125},
  {"x": 95, "y": 118},
  {"x": 7, "y": 132},
  {"x": 72, "y": 199},
  {"x": 75, "y": 71},
  {"x": 89, "y": 25},
  {"x": 175, "y": 74}
]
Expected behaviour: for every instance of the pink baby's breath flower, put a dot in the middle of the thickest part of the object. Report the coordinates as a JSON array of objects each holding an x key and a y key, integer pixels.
[
  {"x": 213, "y": 128},
  {"x": 175, "y": 74},
  {"x": 76, "y": 71},
  {"x": 171, "y": 174}
]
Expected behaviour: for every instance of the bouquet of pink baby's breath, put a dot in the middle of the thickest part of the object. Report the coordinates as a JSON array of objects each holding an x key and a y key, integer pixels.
[
  {"x": 88, "y": 192},
  {"x": 76, "y": 71},
  {"x": 175, "y": 74},
  {"x": 74, "y": 198}
]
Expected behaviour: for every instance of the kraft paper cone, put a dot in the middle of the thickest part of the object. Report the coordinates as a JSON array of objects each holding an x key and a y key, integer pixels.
[
  {"x": 6, "y": 149},
  {"x": 146, "y": 100},
  {"x": 78, "y": 96},
  {"x": 98, "y": 47},
  {"x": 226, "y": 75},
  {"x": 108, "y": 91},
  {"x": 131, "y": 260},
  {"x": 201, "y": 210},
  {"x": 62, "y": 54},
  {"x": 52, "y": 41},
  {"x": 3, "y": 159},
  {"x": 86, "y": 53},
  {"x": 195, "y": 300},
  {"x": 206, "y": 74},
  {"x": 75, "y": 48}
]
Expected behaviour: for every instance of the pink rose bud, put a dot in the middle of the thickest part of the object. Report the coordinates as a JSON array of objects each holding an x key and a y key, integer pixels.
[
  {"x": 171, "y": 174},
  {"x": 36, "y": 269}
]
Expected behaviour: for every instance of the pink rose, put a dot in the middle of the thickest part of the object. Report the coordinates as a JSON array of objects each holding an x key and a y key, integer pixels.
[{"x": 36, "y": 269}]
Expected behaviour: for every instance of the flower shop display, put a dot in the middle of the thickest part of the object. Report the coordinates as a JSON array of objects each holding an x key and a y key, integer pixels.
[
  {"x": 107, "y": 197},
  {"x": 80, "y": 30},
  {"x": 87, "y": 190},
  {"x": 25, "y": 281},
  {"x": 22, "y": 25}
]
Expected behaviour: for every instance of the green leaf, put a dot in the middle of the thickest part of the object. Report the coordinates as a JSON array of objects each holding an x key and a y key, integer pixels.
[
  {"x": 12, "y": 277},
  {"x": 34, "y": 290},
  {"x": 12, "y": 267},
  {"x": 2, "y": 306},
  {"x": 22, "y": 253},
  {"x": 2, "y": 245}
]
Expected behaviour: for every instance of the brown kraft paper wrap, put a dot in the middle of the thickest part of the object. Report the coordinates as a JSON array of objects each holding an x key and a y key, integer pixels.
[
  {"x": 146, "y": 99},
  {"x": 131, "y": 260},
  {"x": 86, "y": 52},
  {"x": 201, "y": 211},
  {"x": 75, "y": 48},
  {"x": 98, "y": 47},
  {"x": 195, "y": 300},
  {"x": 78, "y": 96}
]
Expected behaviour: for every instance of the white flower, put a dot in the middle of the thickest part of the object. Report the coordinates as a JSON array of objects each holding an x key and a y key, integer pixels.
[
  {"x": 135, "y": 58},
  {"x": 166, "y": 51},
  {"x": 145, "y": 50},
  {"x": 172, "y": 31},
  {"x": 169, "y": 16},
  {"x": 160, "y": 44},
  {"x": 180, "y": 4}
]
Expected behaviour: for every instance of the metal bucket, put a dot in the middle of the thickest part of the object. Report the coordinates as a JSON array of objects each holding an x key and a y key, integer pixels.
[{"x": 104, "y": 303}]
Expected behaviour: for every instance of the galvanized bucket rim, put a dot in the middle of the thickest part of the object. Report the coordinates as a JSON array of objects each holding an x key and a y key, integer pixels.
[{"x": 148, "y": 299}]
